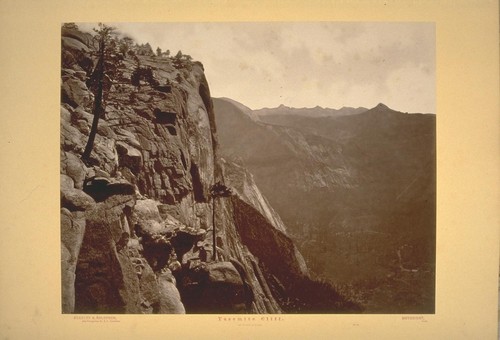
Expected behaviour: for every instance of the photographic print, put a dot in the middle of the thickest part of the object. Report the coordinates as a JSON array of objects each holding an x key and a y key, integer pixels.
[{"x": 253, "y": 168}]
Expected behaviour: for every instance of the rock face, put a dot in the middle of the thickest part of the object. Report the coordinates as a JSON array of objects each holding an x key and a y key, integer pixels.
[
  {"x": 137, "y": 218},
  {"x": 242, "y": 181}
]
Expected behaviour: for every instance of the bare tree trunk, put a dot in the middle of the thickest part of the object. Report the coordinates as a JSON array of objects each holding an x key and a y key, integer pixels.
[{"x": 97, "y": 109}]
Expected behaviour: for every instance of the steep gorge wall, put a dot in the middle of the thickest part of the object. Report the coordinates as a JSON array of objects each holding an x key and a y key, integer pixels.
[{"x": 137, "y": 218}]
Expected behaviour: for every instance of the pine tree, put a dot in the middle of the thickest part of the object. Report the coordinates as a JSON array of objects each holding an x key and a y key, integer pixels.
[{"x": 97, "y": 83}]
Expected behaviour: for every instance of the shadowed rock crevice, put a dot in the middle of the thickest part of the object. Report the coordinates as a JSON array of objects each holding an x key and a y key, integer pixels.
[
  {"x": 165, "y": 117},
  {"x": 199, "y": 194},
  {"x": 100, "y": 188}
]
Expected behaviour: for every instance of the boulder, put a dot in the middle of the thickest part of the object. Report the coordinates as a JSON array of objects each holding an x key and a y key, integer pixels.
[
  {"x": 72, "y": 166},
  {"x": 170, "y": 299},
  {"x": 223, "y": 272},
  {"x": 76, "y": 93},
  {"x": 74, "y": 45},
  {"x": 67, "y": 59},
  {"x": 151, "y": 227},
  {"x": 147, "y": 210},
  {"x": 71, "y": 138},
  {"x": 65, "y": 114},
  {"x": 129, "y": 156},
  {"x": 76, "y": 200},
  {"x": 66, "y": 182},
  {"x": 105, "y": 153},
  {"x": 82, "y": 37},
  {"x": 128, "y": 137},
  {"x": 80, "y": 113}
]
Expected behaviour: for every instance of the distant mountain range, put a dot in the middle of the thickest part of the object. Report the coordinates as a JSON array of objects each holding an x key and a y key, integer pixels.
[
  {"x": 355, "y": 188},
  {"x": 317, "y": 111}
]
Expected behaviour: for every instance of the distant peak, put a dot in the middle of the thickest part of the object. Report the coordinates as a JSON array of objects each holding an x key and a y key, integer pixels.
[{"x": 381, "y": 106}]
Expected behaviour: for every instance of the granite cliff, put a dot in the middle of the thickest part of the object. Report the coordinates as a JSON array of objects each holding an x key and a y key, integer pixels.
[{"x": 139, "y": 217}]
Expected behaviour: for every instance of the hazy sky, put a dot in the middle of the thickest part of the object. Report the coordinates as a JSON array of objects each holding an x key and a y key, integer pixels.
[{"x": 304, "y": 64}]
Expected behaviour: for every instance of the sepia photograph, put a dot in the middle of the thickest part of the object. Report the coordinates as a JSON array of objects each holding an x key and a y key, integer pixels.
[{"x": 248, "y": 167}]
